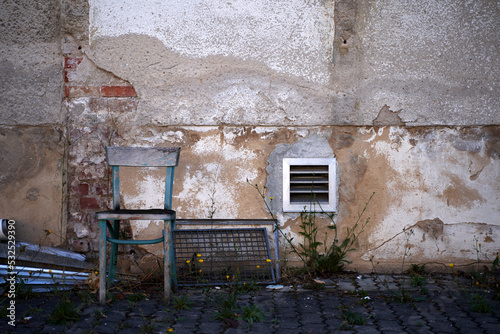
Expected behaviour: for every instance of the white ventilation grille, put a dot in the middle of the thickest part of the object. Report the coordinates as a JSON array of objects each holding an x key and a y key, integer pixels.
[{"x": 309, "y": 183}]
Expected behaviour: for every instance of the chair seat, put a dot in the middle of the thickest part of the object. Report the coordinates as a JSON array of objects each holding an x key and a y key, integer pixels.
[{"x": 152, "y": 214}]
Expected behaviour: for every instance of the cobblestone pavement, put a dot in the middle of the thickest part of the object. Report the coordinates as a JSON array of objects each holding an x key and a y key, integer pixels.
[{"x": 362, "y": 304}]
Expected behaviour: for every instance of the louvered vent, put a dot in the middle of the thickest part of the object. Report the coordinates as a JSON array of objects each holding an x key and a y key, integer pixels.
[{"x": 308, "y": 182}]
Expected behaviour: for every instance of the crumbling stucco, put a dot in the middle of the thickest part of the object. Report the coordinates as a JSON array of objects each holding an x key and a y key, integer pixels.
[{"x": 402, "y": 93}]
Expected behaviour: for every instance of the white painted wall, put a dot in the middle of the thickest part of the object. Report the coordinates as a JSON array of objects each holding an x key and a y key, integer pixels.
[{"x": 291, "y": 37}]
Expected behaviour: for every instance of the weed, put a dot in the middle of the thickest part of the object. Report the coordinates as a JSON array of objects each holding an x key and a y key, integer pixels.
[
  {"x": 227, "y": 308},
  {"x": 137, "y": 297},
  {"x": 417, "y": 280},
  {"x": 417, "y": 269},
  {"x": 352, "y": 318},
  {"x": 480, "y": 303},
  {"x": 319, "y": 258},
  {"x": 148, "y": 328},
  {"x": 65, "y": 312},
  {"x": 182, "y": 303},
  {"x": 23, "y": 290},
  {"x": 251, "y": 314}
]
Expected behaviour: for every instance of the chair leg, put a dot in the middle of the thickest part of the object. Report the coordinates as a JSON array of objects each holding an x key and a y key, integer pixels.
[
  {"x": 102, "y": 261},
  {"x": 113, "y": 258},
  {"x": 166, "y": 261},
  {"x": 173, "y": 269}
]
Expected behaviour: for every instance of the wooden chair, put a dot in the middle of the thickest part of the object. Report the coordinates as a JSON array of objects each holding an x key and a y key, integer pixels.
[{"x": 110, "y": 220}]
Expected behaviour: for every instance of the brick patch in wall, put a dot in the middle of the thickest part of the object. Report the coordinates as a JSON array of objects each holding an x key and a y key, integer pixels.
[
  {"x": 95, "y": 91},
  {"x": 89, "y": 203},
  {"x": 118, "y": 91},
  {"x": 72, "y": 62},
  {"x": 82, "y": 189}
]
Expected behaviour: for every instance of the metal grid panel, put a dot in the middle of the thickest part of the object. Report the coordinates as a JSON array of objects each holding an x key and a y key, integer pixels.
[{"x": 222, "y": 256}]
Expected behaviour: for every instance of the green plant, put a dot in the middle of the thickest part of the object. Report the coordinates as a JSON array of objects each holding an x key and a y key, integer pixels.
[
  {"x": 252, "y": 313},
  {"x": 352, "y": 318},
  {"x": 480, "y": 303},
  {"x": 417, "y": 280},
  {"x": 227, "y": 307},
  {"x": 137, "y": 297},
  {"x": 182, "y": 302},
  {"x": 148, "y": 328},
  {"x": 65, "y": 312},
  {"x": 319, "y": 258}
]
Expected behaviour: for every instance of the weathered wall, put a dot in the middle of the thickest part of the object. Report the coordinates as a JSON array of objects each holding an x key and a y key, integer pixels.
[
  {"x": 31, "y": 123},
  {"x": 402, "y": 93}
]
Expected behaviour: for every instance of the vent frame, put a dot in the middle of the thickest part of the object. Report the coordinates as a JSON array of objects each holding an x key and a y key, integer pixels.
[{"x": 297, "y": 180}]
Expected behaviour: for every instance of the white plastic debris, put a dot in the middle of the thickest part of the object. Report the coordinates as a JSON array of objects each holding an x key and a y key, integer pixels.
[{"x": 274, "y": 287}]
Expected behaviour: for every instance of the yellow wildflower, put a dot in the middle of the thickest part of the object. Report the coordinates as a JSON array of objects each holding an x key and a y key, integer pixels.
[
  {"x": 198, "y": 255},
  {"x": 479, "y": 244},
  {"x": 258, "y": 266},
  {"x": 188, "y": 261},
  {"x": 271, "y": 198},
  {"x": 227, "y": 276},
  {"x": 170, "y": 329},
  {"x": 50, "y": 271},
  {"x": 268, "y": 260},
  {"x": 96, "y": 272},
  {"x": 200, "y": 260},
  {"x": 200, "y": 270},
  {"x": 451, "y": 265}
]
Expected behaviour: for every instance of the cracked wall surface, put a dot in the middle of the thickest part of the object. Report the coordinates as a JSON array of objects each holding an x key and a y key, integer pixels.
[{"x": 401, "y": 93}]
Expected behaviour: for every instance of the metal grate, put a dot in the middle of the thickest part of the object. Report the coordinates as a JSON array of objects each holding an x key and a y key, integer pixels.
[{"x": 222, "y": 256}]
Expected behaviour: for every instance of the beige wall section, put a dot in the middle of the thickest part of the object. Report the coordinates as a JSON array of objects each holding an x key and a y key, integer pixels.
[
  {"x": 444, "y": 184},
  {"x": 31, "y": 183}
]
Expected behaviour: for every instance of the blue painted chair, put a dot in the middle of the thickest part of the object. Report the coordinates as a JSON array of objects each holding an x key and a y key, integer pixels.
[{"x": 110, "y": 220}]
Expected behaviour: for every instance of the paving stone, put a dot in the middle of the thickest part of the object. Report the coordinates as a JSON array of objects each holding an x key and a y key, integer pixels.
[
  {"x": 53, "y": 329},
  {"x": 491, "y": 328},
  {"x": 262, "y": 327},
  {"x": 346, "y": 286},
  {"x": 387, "y": 325},
  {"x": 289, "y": 331},
  {"x": 315, "y": 328},
  {"x": 311, "y": 318},
  {"x": 443, "y": 326},
  {"x": 446, "y": 310},
  {"x": 106, "y": 327},
  {"x": 210, "y": 327},
  {"x": 289, "y": 323},
  {"x": 419, "y": 329}
]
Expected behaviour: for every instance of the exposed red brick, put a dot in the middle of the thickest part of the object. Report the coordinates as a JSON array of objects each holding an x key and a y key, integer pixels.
[
  {"x": 118, "y": 91},
  {"x": 81, "y": 91},
  {"x": 101, "y": 190},
  {"x": 72, "y": 62},
  {"x": 82, "y": 189},
  {"x": 89, "y": 203}
]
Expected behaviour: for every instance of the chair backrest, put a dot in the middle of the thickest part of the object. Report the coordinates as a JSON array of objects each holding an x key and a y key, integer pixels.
[{"x": 143, "y": 157}]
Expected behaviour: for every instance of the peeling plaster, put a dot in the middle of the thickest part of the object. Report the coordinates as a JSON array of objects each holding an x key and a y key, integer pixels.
[{"x": 301, "y": 31}]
